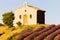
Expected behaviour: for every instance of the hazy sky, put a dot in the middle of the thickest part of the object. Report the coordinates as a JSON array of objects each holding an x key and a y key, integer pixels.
[{"x": 52, "y": 7}]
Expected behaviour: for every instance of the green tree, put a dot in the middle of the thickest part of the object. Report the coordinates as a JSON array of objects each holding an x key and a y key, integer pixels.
[{"x": 8, "y": 18}]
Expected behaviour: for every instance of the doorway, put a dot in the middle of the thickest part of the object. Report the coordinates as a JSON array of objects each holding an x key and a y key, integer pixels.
[{"x": 25, "y": 19}]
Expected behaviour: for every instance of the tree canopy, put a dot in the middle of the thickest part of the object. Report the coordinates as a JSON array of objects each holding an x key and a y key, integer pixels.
[{"x": 8, "y": 18}]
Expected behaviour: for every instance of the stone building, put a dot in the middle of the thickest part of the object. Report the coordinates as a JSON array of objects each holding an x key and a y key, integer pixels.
[{"x": 29, "y": 15}]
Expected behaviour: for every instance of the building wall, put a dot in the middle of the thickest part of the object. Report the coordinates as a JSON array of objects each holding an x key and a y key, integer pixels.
[
  {"x": 29, "y": 11},
  {"x": 40, "y": 17}
]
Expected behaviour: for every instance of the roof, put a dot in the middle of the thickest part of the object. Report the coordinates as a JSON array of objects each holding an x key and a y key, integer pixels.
[
  {"x": 35, "y": 7},
  {"x": 32, "y": 7}
]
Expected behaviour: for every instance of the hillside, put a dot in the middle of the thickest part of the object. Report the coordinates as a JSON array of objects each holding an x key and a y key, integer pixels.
[{"x": 30, "y": 32}]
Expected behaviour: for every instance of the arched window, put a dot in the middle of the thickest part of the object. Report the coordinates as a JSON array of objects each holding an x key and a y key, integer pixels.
[
  {"x": 20, "y": 16},
  {"x": 30, "y": 16}
]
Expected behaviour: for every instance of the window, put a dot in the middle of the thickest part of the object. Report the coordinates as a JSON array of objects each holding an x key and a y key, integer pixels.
[
  {"x": 20, "y": 16},
  {"x": 30, "y": 16},
  {"x": 25, "y": 10}
]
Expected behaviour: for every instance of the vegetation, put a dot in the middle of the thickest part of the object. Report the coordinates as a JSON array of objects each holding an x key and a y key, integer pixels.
[
  {"x": 8, "y": 18},
  {"x": 18, "y": 23},
  {"x": 11, "y": 37},
  {"x": 30, "y": 32},
  {"x": 50, "y": 33},
  {"x": 9, "y": 32},
  {"x": 1, "y": 24}
]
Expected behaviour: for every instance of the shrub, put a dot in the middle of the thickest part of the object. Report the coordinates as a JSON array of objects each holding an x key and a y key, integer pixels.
[
  {"x": 18, "y": 23},
  {"x": 12, "y": 28},
  {"x": 11, "y": 37}
]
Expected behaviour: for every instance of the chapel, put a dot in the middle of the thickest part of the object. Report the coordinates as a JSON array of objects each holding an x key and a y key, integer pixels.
[{"x": 29, "y": 15}]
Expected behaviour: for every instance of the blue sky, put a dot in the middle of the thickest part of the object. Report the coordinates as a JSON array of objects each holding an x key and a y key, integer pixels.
[{"x": 52, "y": 7}]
